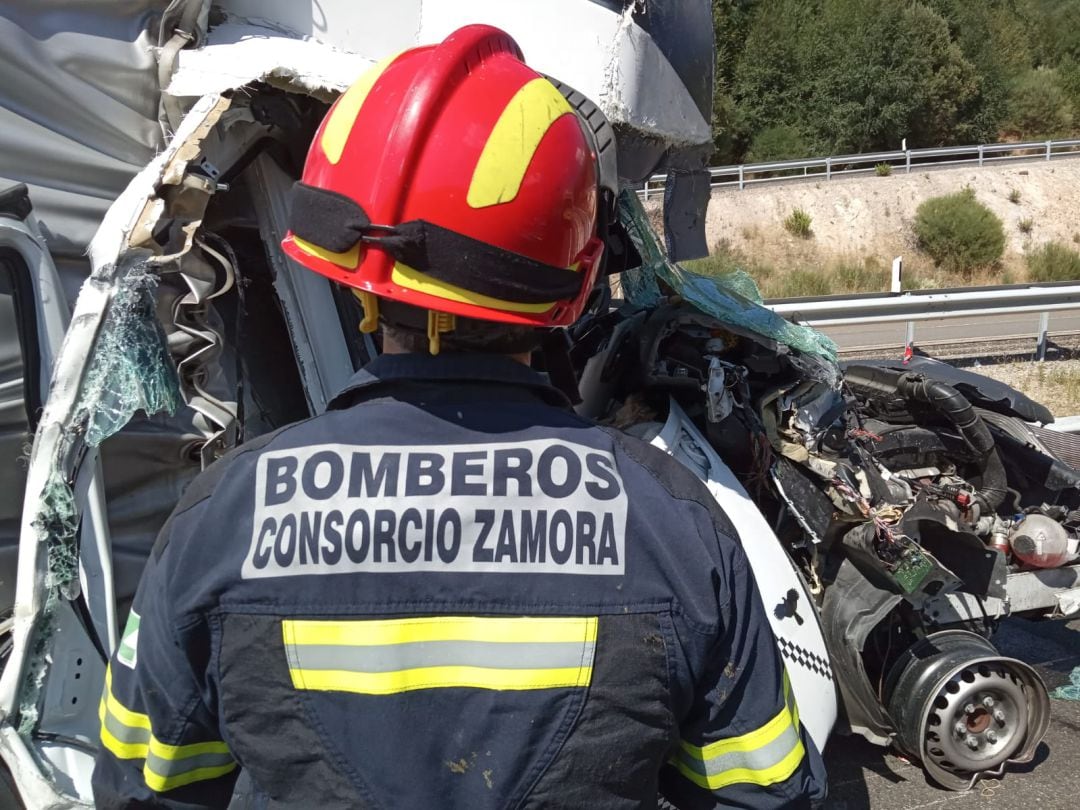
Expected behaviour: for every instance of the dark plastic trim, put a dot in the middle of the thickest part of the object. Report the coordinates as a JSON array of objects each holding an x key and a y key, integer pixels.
[{"x": 15, "y": 202}]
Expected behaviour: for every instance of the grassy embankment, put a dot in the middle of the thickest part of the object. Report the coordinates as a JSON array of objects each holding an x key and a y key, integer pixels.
[{"x": 801, "y": 273}]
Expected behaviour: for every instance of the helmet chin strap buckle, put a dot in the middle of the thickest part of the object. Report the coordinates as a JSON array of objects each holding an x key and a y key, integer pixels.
[
  {"x": 437, "y": 324},
  {"x": 370, "y": 303}
]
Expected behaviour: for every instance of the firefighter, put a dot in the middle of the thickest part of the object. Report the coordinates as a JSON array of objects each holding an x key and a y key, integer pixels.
[{"x": 448, "y": 591}]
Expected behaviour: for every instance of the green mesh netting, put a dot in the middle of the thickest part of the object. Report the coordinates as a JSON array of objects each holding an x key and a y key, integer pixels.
[
  {"x": 732, "y": 298},
  {"x": 130, "y": 368}
]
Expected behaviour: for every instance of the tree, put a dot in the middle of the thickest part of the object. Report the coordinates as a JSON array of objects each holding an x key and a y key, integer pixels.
[
  {"x": 854, "y": 76},
  {"x": 1039, "y": 106},
  {"x": 1057, "y": 43},
  {"x": 731, "y": 23},
  {"x": 833, "y": 76},
  {"x": 995, "y": 36},
  {"x": 778, "y": 143}
]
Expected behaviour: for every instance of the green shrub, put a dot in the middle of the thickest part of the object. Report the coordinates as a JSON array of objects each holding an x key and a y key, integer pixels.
[
  {"x": 883, "y": 169},
  {"x": 959, "y": 233},
  {"x": 798, "y": 223},
  {"x": 1026, "y": 225},
  {"x": 1014, "y": 196},
  {"x": 1054, "y": 262}
]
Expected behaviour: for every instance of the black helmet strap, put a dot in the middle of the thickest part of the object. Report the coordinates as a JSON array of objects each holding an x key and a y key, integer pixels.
[{"x": 337, "y": 223}]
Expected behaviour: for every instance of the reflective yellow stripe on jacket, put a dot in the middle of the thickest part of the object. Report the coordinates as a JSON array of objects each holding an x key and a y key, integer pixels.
[
  {"x": 127, "y": 735},
  {"x": 388, "y": 656},
  {"x": 765, "y": 756}
]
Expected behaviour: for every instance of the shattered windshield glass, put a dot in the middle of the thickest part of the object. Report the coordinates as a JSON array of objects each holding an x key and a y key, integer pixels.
[{"x": 130, "y": 369}]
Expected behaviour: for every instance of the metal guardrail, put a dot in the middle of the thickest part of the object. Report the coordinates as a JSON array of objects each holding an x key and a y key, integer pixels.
[
  {"x": 922, "y": 305},
  {"x": 827, "y": 168},
  {"x": 1066, "y": 424},
  {"x": 919, "y": 305}
]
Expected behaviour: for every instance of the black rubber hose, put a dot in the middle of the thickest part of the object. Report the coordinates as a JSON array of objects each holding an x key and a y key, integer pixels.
[
  {"x": 951, "y": 404},
  {"x": 994, "y": 485}
]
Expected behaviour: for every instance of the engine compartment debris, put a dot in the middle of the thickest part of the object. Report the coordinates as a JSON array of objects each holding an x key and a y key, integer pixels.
[{"x": 907, "y": 495}]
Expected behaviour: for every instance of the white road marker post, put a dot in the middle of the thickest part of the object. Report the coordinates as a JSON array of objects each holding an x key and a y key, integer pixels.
[{"x": 897, "y": 271}]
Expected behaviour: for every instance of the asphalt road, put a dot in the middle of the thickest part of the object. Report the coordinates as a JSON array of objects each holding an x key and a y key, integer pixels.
[
  {"x": 959, "y": 331},
  {"x": 863, "y": 777}
]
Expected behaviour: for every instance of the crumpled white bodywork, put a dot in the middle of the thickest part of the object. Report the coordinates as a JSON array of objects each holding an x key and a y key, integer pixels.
[
  {"x": 54, "y": 675},
  {"x": 601, "y": 53},
  {"x": 58, "y": 776}
]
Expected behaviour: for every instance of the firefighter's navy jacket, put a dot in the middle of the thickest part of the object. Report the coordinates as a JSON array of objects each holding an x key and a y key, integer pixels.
[{"x": 449, "y": 591}]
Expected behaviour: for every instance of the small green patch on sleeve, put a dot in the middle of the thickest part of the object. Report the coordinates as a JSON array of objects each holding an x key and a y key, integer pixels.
[{"x": 127, "y": 653}]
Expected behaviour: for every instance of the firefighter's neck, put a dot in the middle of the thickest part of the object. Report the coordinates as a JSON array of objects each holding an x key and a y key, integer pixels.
[{"x": 391, "y": 346}]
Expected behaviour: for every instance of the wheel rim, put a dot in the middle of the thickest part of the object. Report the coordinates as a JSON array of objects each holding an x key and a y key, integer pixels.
[
  {"x": 979, "y": 719},
  {"x": 964, "y": 710}
]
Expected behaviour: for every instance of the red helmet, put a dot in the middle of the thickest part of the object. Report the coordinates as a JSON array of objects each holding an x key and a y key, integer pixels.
[{"x": 455, "y": 178}]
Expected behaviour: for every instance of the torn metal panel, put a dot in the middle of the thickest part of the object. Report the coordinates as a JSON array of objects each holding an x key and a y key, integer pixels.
[
  {"x": 1068, "y": 602},
  {"x": 240, "y": 52},
  {"x": 139, "y": 202},
  {"x": 603, "y": 53},
  {"x": 365, "y": 27},
  {"x": 114, "y": 337}
]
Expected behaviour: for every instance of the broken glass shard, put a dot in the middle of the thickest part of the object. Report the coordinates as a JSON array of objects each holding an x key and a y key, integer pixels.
[
  {"x": 732, "y": 298},
  {"x": 130, "y": 368}
]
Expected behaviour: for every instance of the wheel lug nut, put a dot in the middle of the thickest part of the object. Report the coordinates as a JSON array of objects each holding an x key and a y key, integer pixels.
[
  {"x": 960, "y": 729},
  {"x": 988, "y": 702},
  {"x": 999, "y": 715},
  {"x": 972, "y": 743},
  {"x": 969, "y": 709},
  {"x": 991, "y": 736}
]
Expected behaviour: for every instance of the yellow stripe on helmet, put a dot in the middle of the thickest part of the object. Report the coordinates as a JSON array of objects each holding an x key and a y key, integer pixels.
[
  {"x": 349, "y": 259},
  {"x": 412, "y": 279},
  {"x": 340, "y": 123},
  {"x": 513, "y": 142}
]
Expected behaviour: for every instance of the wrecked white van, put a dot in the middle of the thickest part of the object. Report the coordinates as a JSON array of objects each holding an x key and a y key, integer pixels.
[{"x": 886, "y": 512}]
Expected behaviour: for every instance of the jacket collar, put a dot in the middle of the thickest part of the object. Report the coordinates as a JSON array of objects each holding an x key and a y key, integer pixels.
[{"x": 450, "y": 367}]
